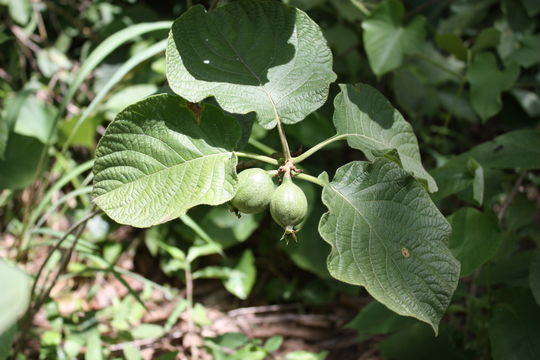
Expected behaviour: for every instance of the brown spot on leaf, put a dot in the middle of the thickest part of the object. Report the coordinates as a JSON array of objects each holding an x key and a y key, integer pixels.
[{"x": 405, "y": 252}]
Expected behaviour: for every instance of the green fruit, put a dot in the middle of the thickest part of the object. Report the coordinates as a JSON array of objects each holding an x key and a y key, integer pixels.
[
  {"x": 288, "y": 205},
  {"x": 255, "y": 189}
]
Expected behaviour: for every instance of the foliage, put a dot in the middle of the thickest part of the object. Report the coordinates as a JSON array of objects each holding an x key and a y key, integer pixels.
[{"x": 410, "y": 126}]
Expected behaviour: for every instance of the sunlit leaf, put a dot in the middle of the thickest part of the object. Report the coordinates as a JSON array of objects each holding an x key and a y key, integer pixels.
[
  {"x": 156, "y": 161},
  {"x": 257, "y": 56},
  {"x": 387, "y": 236},
  {"x": 373, "y": 125}
]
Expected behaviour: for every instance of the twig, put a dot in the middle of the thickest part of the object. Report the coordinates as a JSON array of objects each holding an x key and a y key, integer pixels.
[
  {"x": 23, "y": 38},
  {"x": 261, "y": 309},
  {"x": 76, "y": 228},
  {"x": 4, "y": 75},
  {"x": 71, "y": 230},
  {"x": 191, "y": 326},
  {"x": 142, "y": 343},
  {"x": 511, "y": 196}
]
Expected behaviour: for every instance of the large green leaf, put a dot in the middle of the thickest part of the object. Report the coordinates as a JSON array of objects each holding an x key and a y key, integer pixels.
[
  {"x": 388, "y": 236},
  {"x": 387, "y": 41},
  {"x": 475, "y": 238},
  {"x": 488, "y": 82},
  {"x": 259, "y": 56},
  {"x": 157, "y": 160},
  {"x": 14, "y": 296},
  {"x": 373, "y": 125}
]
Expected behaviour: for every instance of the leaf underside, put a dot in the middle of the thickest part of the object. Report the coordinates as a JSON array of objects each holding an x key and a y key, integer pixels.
[
  {"x": 375, "y": 127},
  {"x": 157, "y": 160},
  {"x": 259, "y": 56},
  {"x": 388, "y": 236}
]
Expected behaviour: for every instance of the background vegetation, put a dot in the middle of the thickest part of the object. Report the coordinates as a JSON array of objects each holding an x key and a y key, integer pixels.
[{"x": 464, "y": 73}]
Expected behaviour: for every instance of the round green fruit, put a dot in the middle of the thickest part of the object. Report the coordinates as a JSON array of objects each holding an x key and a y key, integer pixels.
[
  {"x": 255, "y": 189},
  {"x": 288, "y": 205}
]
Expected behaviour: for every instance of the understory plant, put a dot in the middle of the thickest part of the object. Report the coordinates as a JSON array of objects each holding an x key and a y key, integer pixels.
[{"x": 267, "y": 63}]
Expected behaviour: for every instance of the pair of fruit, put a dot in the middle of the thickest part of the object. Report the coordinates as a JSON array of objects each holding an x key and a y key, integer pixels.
[{"x": 256, "y": 191}]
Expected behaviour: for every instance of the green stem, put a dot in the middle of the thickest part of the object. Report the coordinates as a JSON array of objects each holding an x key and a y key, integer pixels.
[
  {"x": 317, "y": 147},
  {"x": 262, "y": 147},
  {"x": 361, "y": 6},
  {"x": 310, "y": 178},
  {"x": 439, "y": 66},
  {"x": 283, "y": 138},
  {"x": 262, "y": 158}
]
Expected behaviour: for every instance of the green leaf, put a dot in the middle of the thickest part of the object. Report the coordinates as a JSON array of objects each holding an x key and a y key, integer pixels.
[
  {"x": 4, "y": 131},
  {"x": 13, "y": 174},
  {"x": 155, "y": 161},
  {"x": 306, "y": 355},
  {"x": 242, "y": 278},
  {"x": 259, "y": 56},
  {"x": 488, "y": 38},
  {"x": 478, "y": 180},
  {"x": 128, "y": 96},
  {"x": 417, "y": 342},
  {"x": 453, "y": 44},
  {"x": 387, "y": 236},
  {"x": 93, "y": 346},
  {"x": 386, "y": 39},
  {"x": 515, "y": 149},
  {"x": 131, "y": 352},
  {"x": 373, "y": 125},
  {"x": 513, "y": 329},
  {"x": 35, "y": 119},
  {"x": 52, "y": 61},
  {"x": 147, "y": 331},
  {"x": 534, "y": 276},
  {"x": 6, "y": 341},
  {"x": 488, "y": 82},
  {"x": 273, "y": 343},
  {"x": 528, "y": 52},
  {"x": 196, "y": 251},
  {"x": 20, "y": 11},
  {"x": 200, "y": 317},
  {"x": 119, "y": 73},
  {"x": 475, "y": 238},
  {"x": 529, "y": 101},
  {"x": 223, "y": 226}
]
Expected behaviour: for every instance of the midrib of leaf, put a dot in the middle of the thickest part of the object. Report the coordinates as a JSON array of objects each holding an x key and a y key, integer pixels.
[
  {"x": 368, "y": 138},
  {"x": 385, "y": 247},
  {"x": 159, "y": 171}
]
